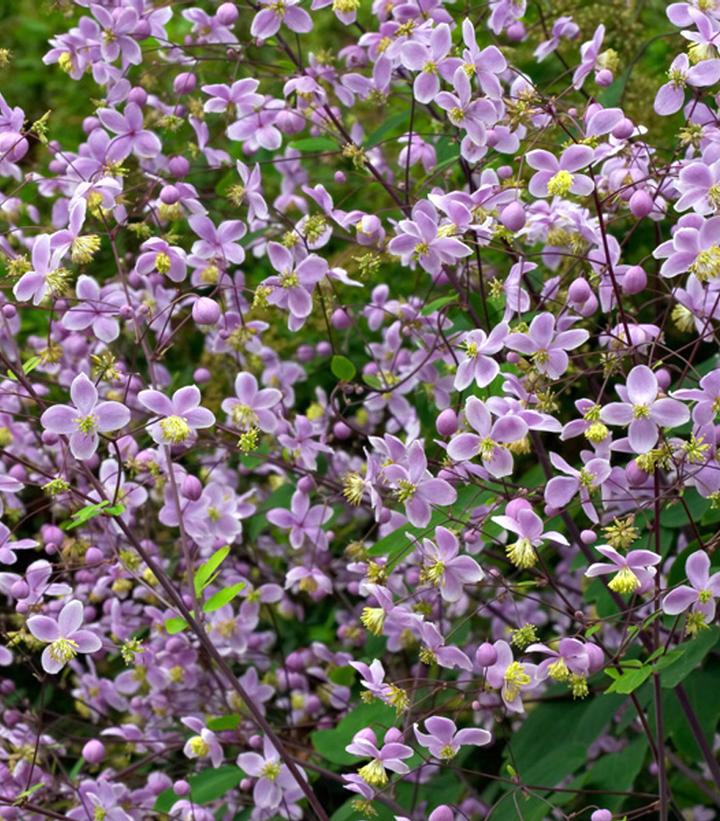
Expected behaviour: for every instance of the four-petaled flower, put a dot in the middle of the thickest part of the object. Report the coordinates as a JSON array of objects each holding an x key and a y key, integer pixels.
[
  {"x": 391, "y": 756},
  {"x": 643, "y": 410},
  {"x": 633, "y": 573},
  {"x": 64, "y": 636},
  {"x": 85, "y": 418},
  {"x": 181, "y": 416},
  {"x": 700, "y": 593},
  {"x": 443, "y": 739}
]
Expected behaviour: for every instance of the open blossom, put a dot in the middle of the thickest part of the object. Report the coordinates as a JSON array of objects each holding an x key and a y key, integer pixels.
[
  {"x": 633, "y": 573},
  {"x": 390, "y": 756},
  {"x": 293, "y": 288},
  {"x": 443, "y": 740},
  {"x": 45, "y": 277},
  {"x": 546, "y": 346},
  {"x": 274, "y": 14},
  {"x": 475, "y": 355},
  {"x": 560, "y": 490},
  {"x": 273, "y": 777},
  {"x": 643, "y": 410},
  {"x": 490, "y": 440},
  {"x": 694, "y": 247},
  {"x": 86, "y": 418},
  {"x": 303, "y": 521},
  {"x": 8, "y": 546},
  {"x": 204, "y": 744},
  {"x": 443, "y": 567},
  {"x": 64, "y": 636},
  {"x": 130, "y": 136},
  {"x": 252, "y": 407},
  {"x": 700, "y": 594},
  {"x": 431, "y": 61},
  {"x": 180, "y": 416},
  {"x": 555, "y": 177},
  {"x": 511, "y": 677},
  {"x": 96, "y": 309},
  {"x": 671, "y": 96},
  {"x": 416, "y": 488},
  {"x": 528, "y": 526},
  {"x": 421, "y": 239}
]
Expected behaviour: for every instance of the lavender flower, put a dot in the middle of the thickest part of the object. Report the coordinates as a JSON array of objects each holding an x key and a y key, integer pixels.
[
  {"x": 634, "y": 572},
  {"x": 700, "y": 594},
  {"x": 64, "y": 636},
  {"x": 443, "y": 739},
  {"x": 181, "y": 416},
  {"x": 85, "y": 418}
]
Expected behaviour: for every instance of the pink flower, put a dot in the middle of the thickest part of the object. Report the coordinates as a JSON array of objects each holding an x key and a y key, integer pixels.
[
  {"x": 64, "y": 636},
  {"x": 85, "y": 418}
]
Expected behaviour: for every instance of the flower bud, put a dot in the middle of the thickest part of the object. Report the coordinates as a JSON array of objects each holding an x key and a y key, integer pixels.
[
  {"x": 514, "y": 506},
  {"x": 588, "y": 536},
  {"x": 516, "y": 32},
  {"x": 178, "y": 166},
  {"x": 601, "y": 815},
  {"x": 486, "y": 655},
  {"x": 513, "y": 216},
  {"x": 579, "y": 291},
  {"x": 442, "y": 813},
  {"x": 227, "y": 14},
  {"x": 9, "y": 311},
  {"x": 635, "y": 280},
  {"x": 191, "y": 488},
  {"x": 664, "y": 378},
  {"x": 446, "y": 424},
  {"x": 201, "y": 375},
  {"x": 341, "y": 319},
  {"x": 641, "y": 204},
  {"x": 635, "y": 475},
  {"x": 205, "y": 311},
  {"x": 19, "y": 589},
  {"x": 306, "y": 484},
  {"x": 623, "y": 129},
  {"x": 604, "y": 77},
  {"x": 93, "y": 752},
  {"x": 93, "y": 556},
  {"x": 89, "y": 124},
  {"x": 341, "y": 431},
  {"x": 504, "y": 172},
  {"x": 169, "y": 194},
  {"x": 137, "y": 95},
  {"x": 323, "y": 348},
  {"x": 13, "y": 146},
  {"x": 184, "y": 83},
  {"x": 181, "y": 787}
]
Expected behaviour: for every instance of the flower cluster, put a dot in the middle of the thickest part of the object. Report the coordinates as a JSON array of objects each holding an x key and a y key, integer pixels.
[{"x": 359, "y": 395}]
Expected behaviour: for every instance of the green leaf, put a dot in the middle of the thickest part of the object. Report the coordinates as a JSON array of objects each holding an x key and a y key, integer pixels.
[
  {"x": 175, "y": 625},
  {"x": 343, "y": 368},
  {"x": 314, "y": 144},
  {"x": 209, "y": 569},
  {"x": 223, "y": 723},
  {"x": 630, "y": 680},
  {"x": 85, "y": 514},
  {"x": 391, "y": 123},
  {"x": 693, "y": 653},
  {"x": 330, "y": 744},
  {"x": 222, "y": 597},
  {"x": 206, "y": 786},
  {"x": 436, "y": 304}
]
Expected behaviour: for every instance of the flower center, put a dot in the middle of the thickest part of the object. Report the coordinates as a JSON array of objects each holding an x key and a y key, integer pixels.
[
  {"x": 374, "y": 773},
  {"x": 373, "y": 619},
  {"x": 625, "y": 581},
  {"x": 515, "y": 678},
  {"x": 560, "y": 184},
  {"x": 162, "y": 263},
  {"x": 199, "y": 746},
  {"x": 86, "y": 424},
  {"x": 704, "y": 596},
  {"x": 558, "y": 670},
  {"x": 641, "y": 411},
  {"x": 271, "y": 770},
  {"x": 707, "y": 264},
  {"x": 405, "y": 490},
  {"x": 175, "y": 429},
  {"x": 522, "y": 553},
  {"x": 243, "y": 415},
  {"x": 63, "y": 650}
]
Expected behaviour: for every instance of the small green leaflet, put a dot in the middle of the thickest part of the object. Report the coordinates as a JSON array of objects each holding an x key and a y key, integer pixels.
[
  {"x": 222, "y": 597},
  {"x": 208, "y": 571},
  {"x": 91, "y": 511},
  {"x": 314, "y": 144},
  {"x": 27, "y": 367},
  {"x": 343, "y": 368},
  {"x": 437, "y": 304}
]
